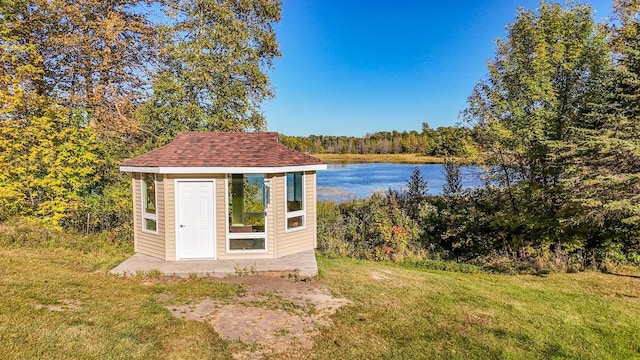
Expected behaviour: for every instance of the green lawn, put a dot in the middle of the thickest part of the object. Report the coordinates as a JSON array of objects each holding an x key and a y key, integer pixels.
[
  {"x": 60, "y": 303},
  {"x": 434, "y": 314}
]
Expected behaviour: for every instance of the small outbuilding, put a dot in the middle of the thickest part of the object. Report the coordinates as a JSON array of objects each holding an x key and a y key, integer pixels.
[{"x": 224, "y": 196}]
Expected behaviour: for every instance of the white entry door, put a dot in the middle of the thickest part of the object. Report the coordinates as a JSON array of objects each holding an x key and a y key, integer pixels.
[{"x": 195, "y": 205}]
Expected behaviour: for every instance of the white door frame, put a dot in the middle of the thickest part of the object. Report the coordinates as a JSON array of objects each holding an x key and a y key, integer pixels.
[{"x": 177, "y": 217}]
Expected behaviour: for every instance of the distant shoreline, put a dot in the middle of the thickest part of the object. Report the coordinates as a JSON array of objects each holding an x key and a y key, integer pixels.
[{"x": 380, "y": 158}]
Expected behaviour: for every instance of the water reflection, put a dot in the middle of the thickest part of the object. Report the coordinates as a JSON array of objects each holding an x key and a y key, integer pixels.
[{"x": 341, "y": 182}]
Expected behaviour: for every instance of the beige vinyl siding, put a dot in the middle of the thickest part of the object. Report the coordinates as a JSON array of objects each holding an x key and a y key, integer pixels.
[
  {"x": 170, "y": 219},
  {"x": 311, "y": 197},
  {"x": 221, "y": 216},
  {"x": 148, "y": 243},
  {"x": 169, "y": 211},
  {"x": 294, "y": 241}
]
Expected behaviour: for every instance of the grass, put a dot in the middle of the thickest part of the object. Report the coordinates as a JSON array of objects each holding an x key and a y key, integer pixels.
[
  {"x": 60, "y": 303},
  {"x": 54, "y": 306},
  {"x": 435, "y": 314},
  {"x": 379, "y": 158}
]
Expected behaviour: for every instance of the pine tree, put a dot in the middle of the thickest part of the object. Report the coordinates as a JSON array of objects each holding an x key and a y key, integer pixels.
[{"x": 606, "y": 180}]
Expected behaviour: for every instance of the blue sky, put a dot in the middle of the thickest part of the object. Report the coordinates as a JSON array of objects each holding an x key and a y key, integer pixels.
[{"x": 351, "y": 67}]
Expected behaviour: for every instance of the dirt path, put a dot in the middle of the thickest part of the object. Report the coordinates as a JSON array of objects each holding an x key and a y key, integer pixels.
[{"x": 273, "y": 314}]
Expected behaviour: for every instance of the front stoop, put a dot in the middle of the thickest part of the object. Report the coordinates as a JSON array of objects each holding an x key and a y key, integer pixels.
[{"x": 302, "y": 264}]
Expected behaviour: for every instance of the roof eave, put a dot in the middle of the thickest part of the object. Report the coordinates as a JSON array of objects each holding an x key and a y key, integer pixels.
[{"x": 220, "y": 169}]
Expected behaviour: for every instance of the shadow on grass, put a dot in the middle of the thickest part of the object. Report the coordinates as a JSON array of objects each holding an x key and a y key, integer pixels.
[{"x": 624, "y": 275}]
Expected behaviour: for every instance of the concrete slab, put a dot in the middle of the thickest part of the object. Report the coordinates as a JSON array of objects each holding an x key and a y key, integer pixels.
[{"x": 303, "y": 264}]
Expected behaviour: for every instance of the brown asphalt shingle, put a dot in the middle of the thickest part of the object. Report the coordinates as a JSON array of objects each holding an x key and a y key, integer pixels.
[{"x": 209, "y": 149}]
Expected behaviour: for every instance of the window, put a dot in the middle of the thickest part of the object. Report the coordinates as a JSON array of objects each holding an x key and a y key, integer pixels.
[
  {"x": 247, "y": 244},
  {"x": 149, "y": 214},
  {"x": 295, "y": 200},
  {"x": 247, "y": 220}
]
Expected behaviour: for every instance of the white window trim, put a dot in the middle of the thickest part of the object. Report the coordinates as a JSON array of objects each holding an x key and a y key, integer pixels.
[
  {"x": 145, "y": 215},
  {"x": 230, "y": 236},
  {"x": 296, "y": 213}
]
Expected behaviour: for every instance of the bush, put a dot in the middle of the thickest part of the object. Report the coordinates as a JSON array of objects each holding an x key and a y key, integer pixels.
[
  {"x": 331, "y": 240},
  {"x": 32, "y": 233},
  {"x": 109, "y": 211},
  {"x": 375, "y": 228}
]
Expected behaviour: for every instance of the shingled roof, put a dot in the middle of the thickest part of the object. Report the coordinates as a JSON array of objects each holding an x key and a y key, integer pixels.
[{"x": 223, "y": 150}]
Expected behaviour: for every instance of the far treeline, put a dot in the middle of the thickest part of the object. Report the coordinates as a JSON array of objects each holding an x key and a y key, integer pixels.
[{"x": 443, "y": 141}]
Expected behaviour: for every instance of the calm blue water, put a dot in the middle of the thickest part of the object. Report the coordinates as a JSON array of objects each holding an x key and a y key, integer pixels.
[{"x": 348, "y": 181}]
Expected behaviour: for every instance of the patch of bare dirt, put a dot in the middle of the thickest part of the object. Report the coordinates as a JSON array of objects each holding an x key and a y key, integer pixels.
[
  {"x": 382, "y": 275},
  {"x": 65, "y": 305},
  {"x": 276, "y": 314}
]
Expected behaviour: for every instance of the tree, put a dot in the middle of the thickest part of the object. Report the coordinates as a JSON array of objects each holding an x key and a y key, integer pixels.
[
  {"x": 49, "y": 165},
  {"x": 604, "y": 184},
  {"x": 75, "y": 74},
  {"x": 539, "y": 84},
  {"x": 94, "y": 55},
  {"x": 545, "y": 76},
  {"x": 72, "y": 73},
  {"x": 417, "y": 187},
  {"x": 413, "y": 199},
  {"x": 212, "y": 72},
  {"x": 453, "y": 179}
]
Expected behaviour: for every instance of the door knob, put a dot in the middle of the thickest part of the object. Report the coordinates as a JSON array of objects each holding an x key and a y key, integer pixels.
[{"x": 181, "y": 225}]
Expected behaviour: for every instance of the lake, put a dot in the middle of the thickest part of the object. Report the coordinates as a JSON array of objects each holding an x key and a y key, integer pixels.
[{"x": 341, "y": 182}]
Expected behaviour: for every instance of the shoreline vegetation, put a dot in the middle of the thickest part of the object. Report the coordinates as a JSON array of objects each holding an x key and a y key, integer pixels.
[{"x": 381, "y": 158}]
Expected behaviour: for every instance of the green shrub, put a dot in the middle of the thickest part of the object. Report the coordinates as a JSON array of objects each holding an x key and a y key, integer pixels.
[
  {"x": 331, "y": 240},
  {"x": 375, "y": 228},
  {"x": 32, "y": 233},
  {"x": 109, "y": 210}
]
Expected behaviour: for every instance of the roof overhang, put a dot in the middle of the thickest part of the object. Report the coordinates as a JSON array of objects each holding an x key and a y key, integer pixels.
[{"x": 219, "y": 170}]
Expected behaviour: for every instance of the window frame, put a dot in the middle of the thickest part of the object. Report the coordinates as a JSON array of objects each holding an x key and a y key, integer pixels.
[
  {"x": 230, "y": 236},
  {"x": 146, "y": 215},
  {"x": 297, "y": 213}
]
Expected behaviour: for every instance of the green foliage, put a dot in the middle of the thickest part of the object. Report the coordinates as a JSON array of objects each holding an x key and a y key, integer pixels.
[
  {"x": 376, "y": 228},
  {"x": 453, "y": 179},
  {"x": 544, "y": 74},
  {"x": 109, "y": 210},
  {"x": 474, "y": 227},
  {"x": 564, "y": 145},
  {"x": 417, "y": 186},
  {"x": 449, "y": 266},
  {"x": 50, "y": 165},
  {"x": 90, "y": 56},
  {"x": 33, "y": 234},
  {"x": 211, "y": 76},
  {"x": 605, "y": 182},
  {"x": 75, "y": 94},
  {"x": 331, "y": 232}
]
